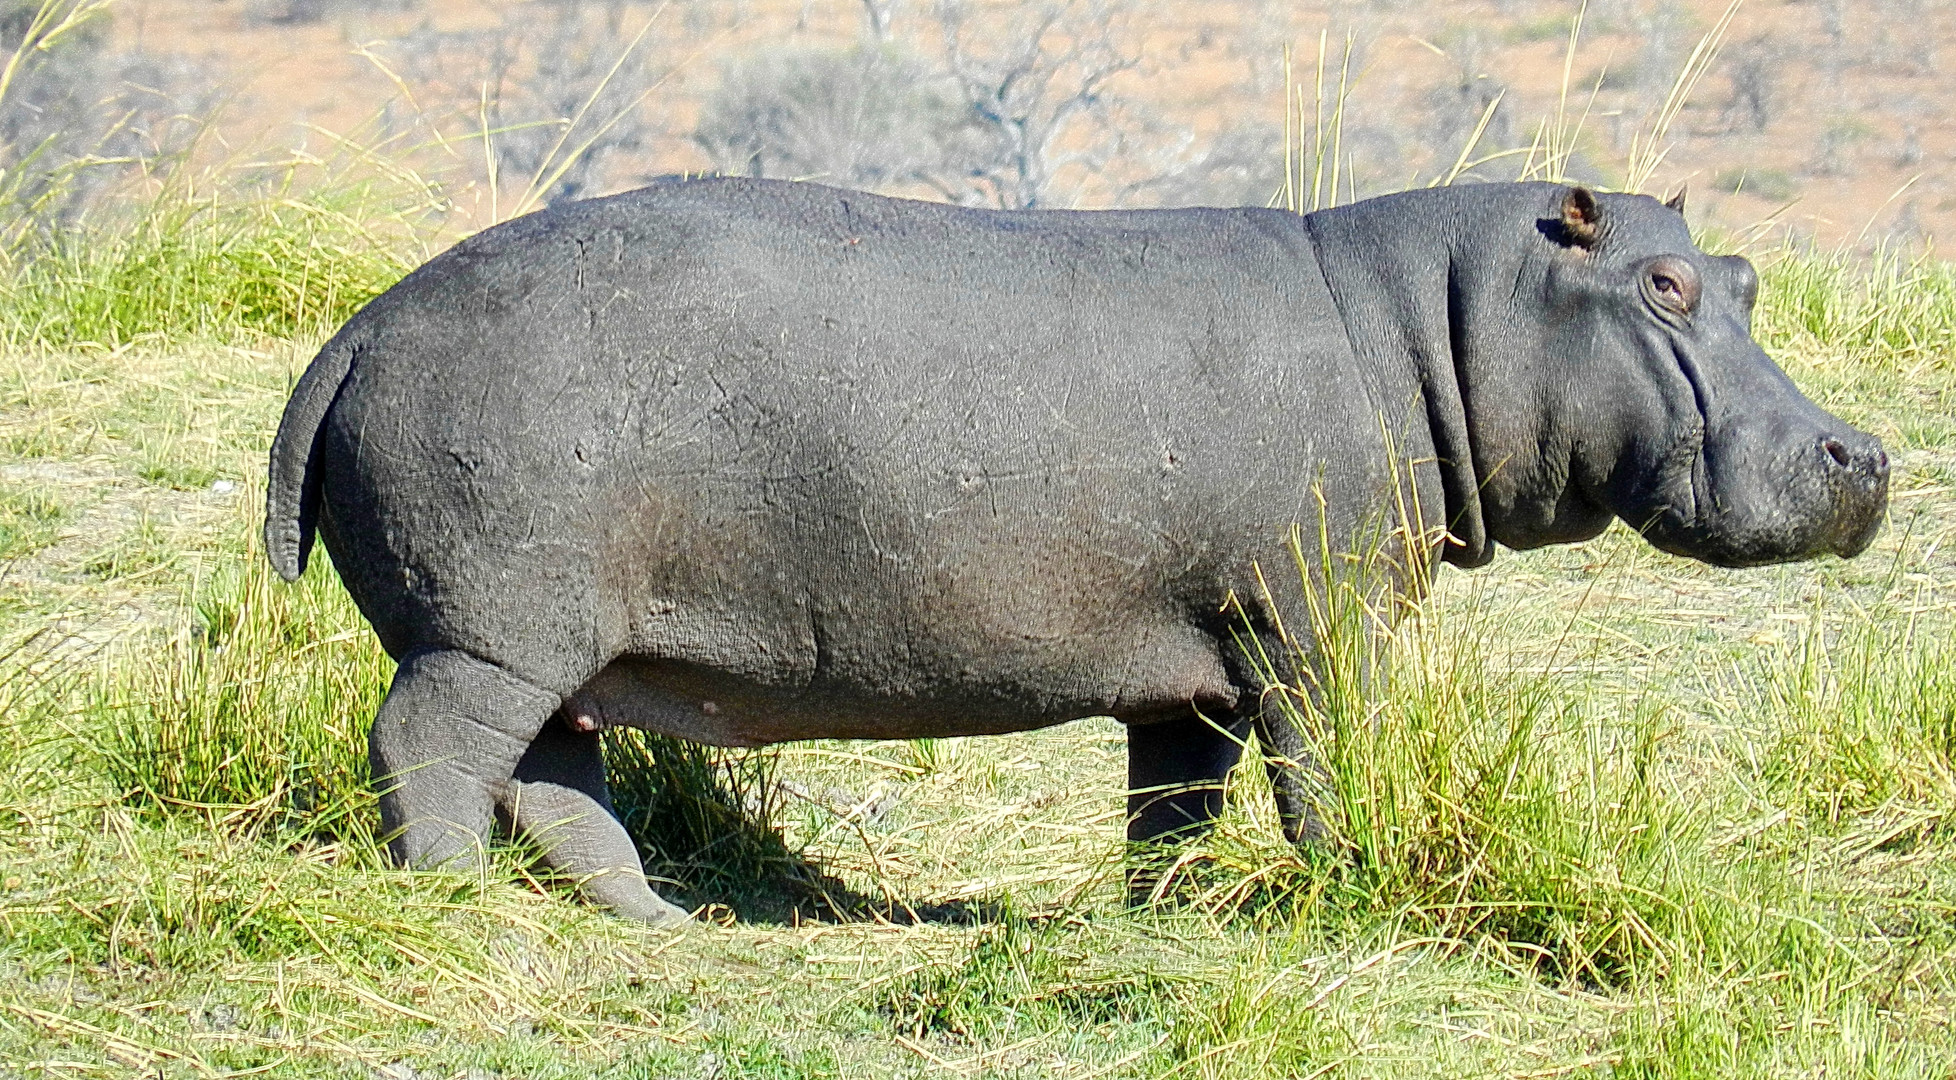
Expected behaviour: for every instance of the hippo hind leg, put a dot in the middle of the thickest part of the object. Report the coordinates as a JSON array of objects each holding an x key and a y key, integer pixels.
[
  {"x": 443, "y": 748},
  {"x": 560, "y": 801}
]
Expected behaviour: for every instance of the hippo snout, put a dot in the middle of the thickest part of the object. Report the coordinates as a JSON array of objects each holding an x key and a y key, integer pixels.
[
  {"x": 1773, "y": 487},
  {"x": 1856, "y": 467}
]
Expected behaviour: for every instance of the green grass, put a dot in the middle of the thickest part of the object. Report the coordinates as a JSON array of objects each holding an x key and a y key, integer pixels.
[
  {"x": 233, "y": 267},
  {"x": 1609, "y": 814},
  {"x": 253, "y": 708},
  {"x": 1892, "y": 311},
  {"x": 29, "y": 517}
]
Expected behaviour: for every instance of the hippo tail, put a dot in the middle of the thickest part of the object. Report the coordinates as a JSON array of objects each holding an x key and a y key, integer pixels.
[{"x": 292, "y": 489}]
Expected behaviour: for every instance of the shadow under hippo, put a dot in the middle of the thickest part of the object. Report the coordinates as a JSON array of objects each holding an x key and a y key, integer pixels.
[{"x": 741, "y": 462}]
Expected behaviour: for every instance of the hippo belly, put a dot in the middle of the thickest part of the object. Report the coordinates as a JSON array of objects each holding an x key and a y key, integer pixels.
[{"x": 1156, "y": 673}]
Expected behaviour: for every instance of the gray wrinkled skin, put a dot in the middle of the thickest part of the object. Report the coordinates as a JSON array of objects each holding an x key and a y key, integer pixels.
[{"x": 745, "y": 462}]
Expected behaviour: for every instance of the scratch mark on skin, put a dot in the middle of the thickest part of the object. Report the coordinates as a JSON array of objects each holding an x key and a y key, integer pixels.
[
  {"x": 862, "y": 515},
  {"x": 556, "y": 396}
]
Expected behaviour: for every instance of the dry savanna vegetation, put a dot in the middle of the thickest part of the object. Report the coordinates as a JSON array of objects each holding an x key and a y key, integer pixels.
[{"x": 1613, "y": 814}]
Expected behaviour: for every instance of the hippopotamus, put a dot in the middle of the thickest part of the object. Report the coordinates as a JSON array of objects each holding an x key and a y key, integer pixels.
[{"x": 743, "y": 462}]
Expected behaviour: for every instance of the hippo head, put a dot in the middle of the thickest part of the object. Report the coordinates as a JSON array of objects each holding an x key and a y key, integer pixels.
[{"x": 1642, "y": 395}]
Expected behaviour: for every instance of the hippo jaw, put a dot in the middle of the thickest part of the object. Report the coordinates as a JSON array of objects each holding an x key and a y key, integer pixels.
[
  {"x": 1579, "y": 359},
  {"x": 1781, "y": 482}
]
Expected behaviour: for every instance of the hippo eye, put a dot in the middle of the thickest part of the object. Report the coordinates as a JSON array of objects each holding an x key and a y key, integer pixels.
[{"x": 1673, "y": 283}]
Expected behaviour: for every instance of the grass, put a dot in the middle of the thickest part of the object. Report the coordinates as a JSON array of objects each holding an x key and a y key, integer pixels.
[
  {"x": 252, "y": 708},
  {"x": 29, "y": 516},
  {"x": 230, "y": 266},
  {"x": 1891, "y": 311},
  {"x": 191, "y": 243},
  {"x": 1615, "y": 814},
  {"x": 1609, "y": 814}
]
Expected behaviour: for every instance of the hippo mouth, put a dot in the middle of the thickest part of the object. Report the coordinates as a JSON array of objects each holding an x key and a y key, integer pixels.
[
  {"x": 1682, "y": 498},
  {"x": 1776, "y": 481},
  {"x": 1695, "y": 443},
  {"x": 1743, "y": 506}
]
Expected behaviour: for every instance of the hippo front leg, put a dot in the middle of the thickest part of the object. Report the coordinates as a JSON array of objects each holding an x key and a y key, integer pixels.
[
  {"x": 1294, "y": 772},
  {"x": 1175, "y": 774},
  {"x": 560, "y": 801}
]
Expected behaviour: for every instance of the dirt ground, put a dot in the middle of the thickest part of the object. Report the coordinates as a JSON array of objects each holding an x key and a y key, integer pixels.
[{"x": 1824, "y": 114}]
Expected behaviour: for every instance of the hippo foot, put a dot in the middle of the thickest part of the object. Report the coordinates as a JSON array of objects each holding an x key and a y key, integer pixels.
[
  {"x": 558, "y": 800},
  {"x": 626, "y": 893},
  {"x": 668, "y": 916}
]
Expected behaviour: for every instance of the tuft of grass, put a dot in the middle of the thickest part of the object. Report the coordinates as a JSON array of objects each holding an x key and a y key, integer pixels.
[
  {"x": 1890, "y": 311},
  {"x": 1469, "y": 803},
  {"x": 29, "y": 518},
  {"x": 933, "y": 755},
  {"x": 1864, "y": 717},
  {"x": 179, "y": 475},
  {"x": 255, "y": 713},
  {"x": 704, "y": 818},
  {"x": 1022, "y": 974},
  {"x": 1443, "y": 789},
  {"x": 227, "y": 267},
  {"x": 294, "y": 961},
  {"x": 1253, "y": 1022}
]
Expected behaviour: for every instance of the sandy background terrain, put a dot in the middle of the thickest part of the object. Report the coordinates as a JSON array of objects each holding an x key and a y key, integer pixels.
[{"x": 1830, "y": 115}]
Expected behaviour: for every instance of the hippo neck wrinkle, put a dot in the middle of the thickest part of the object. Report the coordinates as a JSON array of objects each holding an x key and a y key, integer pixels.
[{"x": 1390, "y": 273}]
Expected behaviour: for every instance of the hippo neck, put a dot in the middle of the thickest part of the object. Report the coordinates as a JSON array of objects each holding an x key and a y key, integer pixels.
[{"x": 1406, "y": 270}]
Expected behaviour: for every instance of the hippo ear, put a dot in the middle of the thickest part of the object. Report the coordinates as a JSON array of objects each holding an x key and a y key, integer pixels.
[
  {"x": 1582, "y": 219},
  {"x": 1676, "y": 202}
]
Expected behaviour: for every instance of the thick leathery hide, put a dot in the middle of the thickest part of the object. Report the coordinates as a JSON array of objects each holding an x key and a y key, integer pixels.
[
  {"x": 793, "y": 461},
  {"x": 747, "y": 461}
]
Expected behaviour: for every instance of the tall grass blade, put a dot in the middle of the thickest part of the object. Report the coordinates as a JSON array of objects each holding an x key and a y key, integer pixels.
[{"x": 1650, "y": 146}]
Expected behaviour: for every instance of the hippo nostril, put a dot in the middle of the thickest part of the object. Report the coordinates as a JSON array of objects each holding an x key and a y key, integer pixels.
[
  {"x": 1836, "y": 451},
  {"x": 1881, "y": 463}
]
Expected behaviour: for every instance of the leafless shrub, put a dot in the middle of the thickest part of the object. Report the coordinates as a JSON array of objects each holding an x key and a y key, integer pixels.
[
  {"x": 1833, "y": 152},
  {"x": 544, "y": 66},
  {"x": 1910, "y": 153},
  {"x": 1898, "y": 41},
  {"x": 1765, "y": 183},
  {"x": 1016, "y": 106},
  {"x": 1032, "y": 85},
  {"x": 304, "y": 12},
  {"x": 700, "y": 20},
  {"x": 1665, "y": 35},
  {"x": 1833, "y": 22},
  {"x": 1753, "y": 68},
  {"x": 866, "y": 117},
  {"x": 1242, "y": 165},
  {"x": 1911, "y": 113},
  {"x": 879, "y": 13},
  {"x": 1908, "y": 229},
  {"x": 1456, "y": 106}
]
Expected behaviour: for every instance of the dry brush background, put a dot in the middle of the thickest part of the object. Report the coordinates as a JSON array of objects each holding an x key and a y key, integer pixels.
[{"x": 1620, "y": 816}]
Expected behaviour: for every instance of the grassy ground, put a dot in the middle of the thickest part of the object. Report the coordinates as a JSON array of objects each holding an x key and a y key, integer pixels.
[{"x": 1621, "y": 816}]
